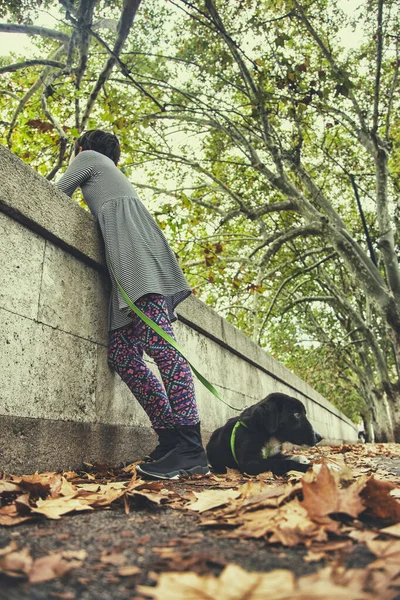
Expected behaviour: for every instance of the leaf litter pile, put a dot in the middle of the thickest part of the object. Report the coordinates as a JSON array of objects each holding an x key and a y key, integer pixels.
[{"x": 349, "y": 498}]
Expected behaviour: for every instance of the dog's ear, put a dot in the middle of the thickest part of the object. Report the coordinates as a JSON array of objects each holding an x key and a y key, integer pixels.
[{"x": 263, "y": 416}]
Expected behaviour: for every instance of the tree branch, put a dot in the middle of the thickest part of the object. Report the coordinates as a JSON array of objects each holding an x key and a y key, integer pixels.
[
  {"x": 128, "y": 13},
  {"x": 34, "y": 30},
  {"x": 379, "y": 50},
  {"x": 33, "y": 89},
  {"x": 277, "y": 240},
  {"x": 337, "y": 69},
  {"x": 31, "y": 63},
  {"x": 284, "y": 284}
]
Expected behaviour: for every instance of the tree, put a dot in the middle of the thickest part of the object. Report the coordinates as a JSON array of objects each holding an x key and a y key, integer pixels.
[{"x": 281, "y": 161}]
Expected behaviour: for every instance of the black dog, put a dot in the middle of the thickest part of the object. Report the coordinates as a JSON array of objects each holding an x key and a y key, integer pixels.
[{"x": 276, "y": 419}]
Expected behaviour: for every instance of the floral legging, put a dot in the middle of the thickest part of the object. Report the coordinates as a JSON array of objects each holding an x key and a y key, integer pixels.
[{"x": 168, "y": 406}]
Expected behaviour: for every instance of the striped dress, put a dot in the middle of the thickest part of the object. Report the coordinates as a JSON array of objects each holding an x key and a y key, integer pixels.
[{"x": 135, "y": 246}]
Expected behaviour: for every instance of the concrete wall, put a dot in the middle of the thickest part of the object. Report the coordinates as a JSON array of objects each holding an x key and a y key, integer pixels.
[{"x": 60, "y": 404}]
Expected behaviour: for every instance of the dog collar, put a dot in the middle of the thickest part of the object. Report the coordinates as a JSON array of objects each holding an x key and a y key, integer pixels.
[
  {"x": 267, "y": 449},
  {"x": 233, "y": 437}
]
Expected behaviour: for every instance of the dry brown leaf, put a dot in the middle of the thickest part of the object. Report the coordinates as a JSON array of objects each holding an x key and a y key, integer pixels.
[
  {"x": 42, "y": 484},
  {"x": 22, "y": 504},
  {"x": 74, "y": 554},
  {"x": 392, "y": 530},
  {"x": 15, "y": 563},
  {"x": 66, "y": 488},
  {"x": 323, "y": 497},
  {"x": 7, "y": 487},
  {"x": 376, "y": 496},
  {"x": 289, "y": 525},
  {"x": 212, "y": 499},
  {"x": 128, "y": 570},
  {"x": 104, "y": 497},
  {"x": 51, "y": 566},
  {"x": 53, "y": 508},
  {"x": 9, "y": 516},
  {"x": 363, "y": 536},
  {"x": 267, "y": 496},
  {"x": 236, "y": 584},
  {"x": 388, "y": 556},
  {"x": 233, "y": 584},
  {"x": 111, "y": 557}
]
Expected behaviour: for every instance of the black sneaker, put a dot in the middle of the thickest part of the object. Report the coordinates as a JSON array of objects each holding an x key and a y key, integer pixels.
[
  {"x": 168, "y": 439},
  {"x": 188, "y": 458}
]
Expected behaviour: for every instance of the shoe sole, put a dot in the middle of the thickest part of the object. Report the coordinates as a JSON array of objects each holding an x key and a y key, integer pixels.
[{"x": 175, "y": 474}]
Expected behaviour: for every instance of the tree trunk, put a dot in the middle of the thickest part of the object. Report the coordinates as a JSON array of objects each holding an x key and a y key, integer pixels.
[{"x": 382, "y": 420}]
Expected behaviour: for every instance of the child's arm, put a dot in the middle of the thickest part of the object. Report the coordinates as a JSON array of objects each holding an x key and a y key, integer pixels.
[{"x": 79, "y": 171}]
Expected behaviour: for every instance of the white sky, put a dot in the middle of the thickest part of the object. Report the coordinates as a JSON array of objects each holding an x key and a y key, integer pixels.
[{"x": 20, "y": 43}]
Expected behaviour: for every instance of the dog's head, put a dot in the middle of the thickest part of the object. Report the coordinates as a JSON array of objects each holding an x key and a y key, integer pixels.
[{"x": 282, "y": 417}]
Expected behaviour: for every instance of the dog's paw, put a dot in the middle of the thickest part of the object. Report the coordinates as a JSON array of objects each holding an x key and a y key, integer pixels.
[{"x": 300, "y": 458}]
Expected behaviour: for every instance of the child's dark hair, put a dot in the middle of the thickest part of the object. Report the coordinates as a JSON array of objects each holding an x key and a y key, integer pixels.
[{"x": 99, "y": 141}]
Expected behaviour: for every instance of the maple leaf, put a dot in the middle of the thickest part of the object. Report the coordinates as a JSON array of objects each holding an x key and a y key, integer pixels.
[
  {"x": 376, "y": 497},
  {"x": 53, "y": 508},
  {"x": 15, "y": 563},
  {"x": 392, "y": 530},
  {"x": 388, "y": 556},
  {"x": 51, "y": 566},
  {"x": 7, "y": 487},
  {"x": 112, "y": 557},
  {"x": 234, "y": 583},
  {"x": 41, "y": 484},
  {"x": 212, "y": 499},
  {"x": 323, "y": 497},
  {"x": 9, "y": 516}
]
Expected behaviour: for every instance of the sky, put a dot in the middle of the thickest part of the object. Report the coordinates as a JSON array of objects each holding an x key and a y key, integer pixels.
[{"x": 20, "y": 43}]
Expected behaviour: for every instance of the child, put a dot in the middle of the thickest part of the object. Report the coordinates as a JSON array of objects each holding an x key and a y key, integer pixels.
[{"x": 145, "y": 266}]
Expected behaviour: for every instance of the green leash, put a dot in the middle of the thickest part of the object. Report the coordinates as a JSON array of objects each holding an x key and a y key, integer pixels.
[
  {"x": 233, "y": 438},
  {"x": 170, "y": 341},
  {"x": 266, "y": 451}
]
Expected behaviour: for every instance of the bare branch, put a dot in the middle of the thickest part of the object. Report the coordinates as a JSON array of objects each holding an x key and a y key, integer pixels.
[
  {"x": 128, "y": 13},
  {"x": 392, "y": 91},
  {"x": 253, "y": 215},
  {"x": 31, "y": 63},
  {"x": 284, "y": 284},
  {"x": 328, "y": 299},
  {"x": 8, "y": 93},
  {"x": 277, "y": 240},
  {"x": 338, "y": 70},
  {"x": 253, "y": 91},
  {"x": 33, "y": 89},
  {"x": 34, "y": 30},
  {"x": 379, "y": 50},
  {"x": 199, "y": 168}
]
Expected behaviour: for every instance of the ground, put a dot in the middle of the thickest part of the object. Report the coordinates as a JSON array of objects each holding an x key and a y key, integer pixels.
[{"x": 328, "y": 525}]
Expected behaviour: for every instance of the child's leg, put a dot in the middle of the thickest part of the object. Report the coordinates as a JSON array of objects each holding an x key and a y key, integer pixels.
[
  {"x": 174, "y": 369},
  {"x": 125, "y": 355}
]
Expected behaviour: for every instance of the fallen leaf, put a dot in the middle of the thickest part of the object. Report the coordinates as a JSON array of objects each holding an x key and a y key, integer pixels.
[
  {"x": 362, "y": 536},
  {"x": 10, "y": 516},
  {"x": 54, "y": 508},
  {"x": 392, "y": 530},
  {"x": 110, "y": 557},
  {"x": 322, "y": 496},
  {"x": 376, "y": 496},
  {"x": 50, "y": 567},
  {"x": 7, "y": 487},
  {"x": 128, "y": 570},
  {"x": 233, "y": 584},
  {"x": 212, "y": 499},
  {"x": 15, "y": 563},
  {"x": 388, "y": 556}
]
